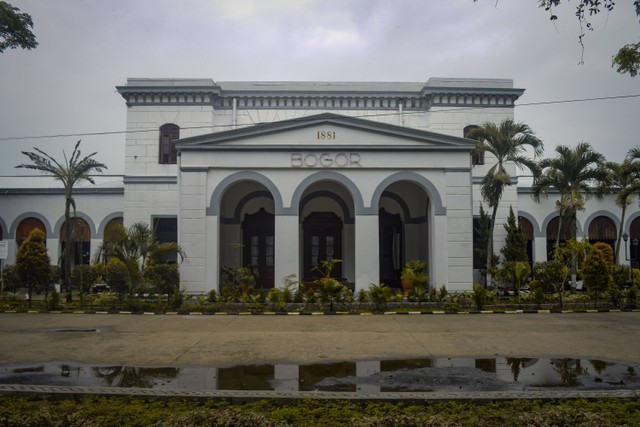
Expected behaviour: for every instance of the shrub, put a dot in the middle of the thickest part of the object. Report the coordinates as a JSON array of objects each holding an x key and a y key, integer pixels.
[
  {"x": 380, "y": 295},
  {"x": 10, "y": 280},
  {"x": 83, "y": 277},
  {"x": 597, "y": 268},
  {"x": 117, "y": 276},
  {"x": 53, "y": 302},
  {"x": 480, "y": 295},
  {"x": 32, "y": 263}
]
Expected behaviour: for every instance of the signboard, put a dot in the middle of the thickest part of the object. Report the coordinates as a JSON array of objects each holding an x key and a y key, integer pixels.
[{"x": 4, "y": 249}]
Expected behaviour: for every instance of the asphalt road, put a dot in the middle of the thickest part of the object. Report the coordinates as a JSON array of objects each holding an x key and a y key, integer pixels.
[{"x": 164, "y": 340}]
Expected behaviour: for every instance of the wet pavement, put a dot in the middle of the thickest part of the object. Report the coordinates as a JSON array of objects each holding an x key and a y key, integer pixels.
[{"x": 352, "y": 345}]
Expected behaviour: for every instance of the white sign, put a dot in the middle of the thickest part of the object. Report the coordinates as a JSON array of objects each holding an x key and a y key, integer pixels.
[{"x": 4, "y": 249}]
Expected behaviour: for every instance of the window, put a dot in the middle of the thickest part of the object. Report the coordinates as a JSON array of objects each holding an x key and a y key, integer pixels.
[
  {"x": 166, "y": 231},
  {"x": 168, "y": 134},
  {"x": 477, "y": 156}
]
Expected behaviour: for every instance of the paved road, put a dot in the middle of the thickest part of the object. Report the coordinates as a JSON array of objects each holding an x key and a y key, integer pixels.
[{"x": 147, "y": 340}]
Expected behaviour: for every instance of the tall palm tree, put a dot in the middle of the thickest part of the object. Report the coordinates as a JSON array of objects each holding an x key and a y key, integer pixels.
[
  {"x": 625, "y": 183},
  {"x": 577, "y": 174},
  {"x": 137, "y": 247},
  {"x": 508, "y": 142},
  {"x": 72, "y": 171}
]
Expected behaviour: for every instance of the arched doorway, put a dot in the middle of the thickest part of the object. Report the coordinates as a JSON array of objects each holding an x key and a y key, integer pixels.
[
  {"x": 603, "y": 229},
  {"x": 403, "y": 229},
  {"x": 527, "y": 231},
  {"x": 26, "y": 226},
  {"x": 258, "y": 240},
  {"x": 247, "y": 237},
  {"x": 634, "y": 236},
  {"x": 327, "y": 231},
  {"x": 80, "y": 251},
  {"x": 553, "y": 237}
]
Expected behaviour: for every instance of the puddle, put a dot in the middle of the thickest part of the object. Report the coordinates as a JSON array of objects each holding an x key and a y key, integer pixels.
[{"x": 371, "y": 376}]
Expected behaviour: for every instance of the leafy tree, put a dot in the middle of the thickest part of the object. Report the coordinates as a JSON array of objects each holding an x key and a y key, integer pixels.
[
  {"x": 515, "y": 248},
  {"x": 578, "y": 174},
  {"x": 627, "y": 59},
  {"x": 83, "y": 277},
  {"x": 624, "y": 181},
  {"x": 117, "y": 276},
  {"x": 32, "y": 263},
  {"x": 597, "y": 269},
  {"x": 553, "y": 275},
  {"x": 10, "y": 278},
  {"x": 508, "y": 142},
  {"x": 73, "y": 171},
  {"x": 15, "y": 28},
  {"x": 165, "y": 278},
  {"x": 137, "y": 247}
]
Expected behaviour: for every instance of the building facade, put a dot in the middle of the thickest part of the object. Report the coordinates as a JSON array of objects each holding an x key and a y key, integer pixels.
[{"x": 284, "y": 175}]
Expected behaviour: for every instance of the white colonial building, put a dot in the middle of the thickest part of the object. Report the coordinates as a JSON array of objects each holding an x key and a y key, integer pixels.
[{"x": 284, "y": 175}]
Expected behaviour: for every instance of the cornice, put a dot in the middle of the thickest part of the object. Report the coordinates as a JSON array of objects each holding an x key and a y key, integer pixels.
[{"x": 318, "y": 95}]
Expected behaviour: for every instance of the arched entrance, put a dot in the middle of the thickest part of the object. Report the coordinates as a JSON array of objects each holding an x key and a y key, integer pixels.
[
  {"x": 603, "y": 229},
  {"x": 327, "y": 231},
  {"x": 553, "y": 237},
  {"x": 403, "y": 229},
  {"x": 634, "y": 237},
  {"x": 527, "y": 231},
  {"x": 80, "y": 241},
  {"x": 26, "y": 226},
  {"x": 247, "y": 237}
]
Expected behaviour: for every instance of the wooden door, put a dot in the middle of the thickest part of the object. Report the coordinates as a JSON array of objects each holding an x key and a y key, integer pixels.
[
  {"x": 259, "y": 246},
  {"x": 322, "y": 242}
]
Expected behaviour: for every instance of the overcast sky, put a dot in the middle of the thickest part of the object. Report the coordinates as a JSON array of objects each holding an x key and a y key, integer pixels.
[{"x": 67, "y": 85}]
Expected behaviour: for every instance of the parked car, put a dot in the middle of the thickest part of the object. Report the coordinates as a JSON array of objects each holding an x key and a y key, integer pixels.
[{"x": 99, "y": 288}]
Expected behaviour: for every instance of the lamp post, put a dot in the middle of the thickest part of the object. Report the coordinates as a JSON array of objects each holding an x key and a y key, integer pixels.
[{"x": 634, "y": 243}]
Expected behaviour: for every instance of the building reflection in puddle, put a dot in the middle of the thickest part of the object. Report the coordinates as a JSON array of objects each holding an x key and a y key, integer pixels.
[{"x": 369, "y": 376}]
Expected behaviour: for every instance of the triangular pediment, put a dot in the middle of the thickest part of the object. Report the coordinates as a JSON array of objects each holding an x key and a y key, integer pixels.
[{"x": 325, "y": 130}]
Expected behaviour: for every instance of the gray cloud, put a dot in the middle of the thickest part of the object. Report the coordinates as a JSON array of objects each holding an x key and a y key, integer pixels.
[{"x": 67, "y": 84}]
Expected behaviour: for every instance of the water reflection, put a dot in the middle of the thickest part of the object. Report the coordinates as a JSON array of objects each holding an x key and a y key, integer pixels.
[{"x": 371, "y": 376}]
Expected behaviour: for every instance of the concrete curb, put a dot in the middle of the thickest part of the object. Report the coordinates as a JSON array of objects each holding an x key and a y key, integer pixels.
[
  {"x": 239, "y": 396},
  {"x": 320, "y": 313}
]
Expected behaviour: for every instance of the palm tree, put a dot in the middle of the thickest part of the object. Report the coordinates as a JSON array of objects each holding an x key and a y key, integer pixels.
[
  {"x": 577, "y": 174},
  {"x": 73, "y": 170},
  {"x": 508, "y": 142},
  {"x": 137, "y": 247},
  {"x": 625, "y": 182}
]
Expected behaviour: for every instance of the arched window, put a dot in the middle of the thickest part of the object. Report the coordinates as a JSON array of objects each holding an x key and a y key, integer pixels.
[
  {"x": 26, "y": 226},
  {"x": 168, "y": 133},
  {"x": 478, "y": 157}
]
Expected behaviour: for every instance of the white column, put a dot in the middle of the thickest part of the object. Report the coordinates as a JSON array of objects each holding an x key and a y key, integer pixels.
[
  {"x": 212, "y": 255},
  {"x": 439, "y": 248},
  {"x": 367, "y": 251},
  {"x": 287, "y": 259},
  {"x": 539, "y": 249}
]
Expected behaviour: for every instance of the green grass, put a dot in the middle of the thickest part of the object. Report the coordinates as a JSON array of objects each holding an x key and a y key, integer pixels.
[{"x": 116, "y": 411}]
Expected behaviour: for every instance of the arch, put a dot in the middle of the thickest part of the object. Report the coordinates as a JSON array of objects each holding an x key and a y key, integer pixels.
[
  {"x": 356, "y": 196},
  {"x": 83, "y": 231},
  {"x": 551, "y": 217},
  {"x": 406, "y": 213},
  {"x": 237, "y": 213},
  {"x": 106, "y": 220},
  {"x": 4, "y": 232},
  {"x": 218, "y": 192},
  {"x": 595, "y": 217},
  {"x": 108, "y": 236},
  {"x": 434, "y": 195},
  {"x": 348, "y": 218},
  {"x": 20, "y": 218},
  {"x": 81, "y": 215},
  {"x": 26, "y": 226},
  {"x": 537, "y": 232},
  {"x": 628, "y": 223}
]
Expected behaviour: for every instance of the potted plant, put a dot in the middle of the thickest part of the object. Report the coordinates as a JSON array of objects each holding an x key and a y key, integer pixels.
[{"x": 413, "y": 274}]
